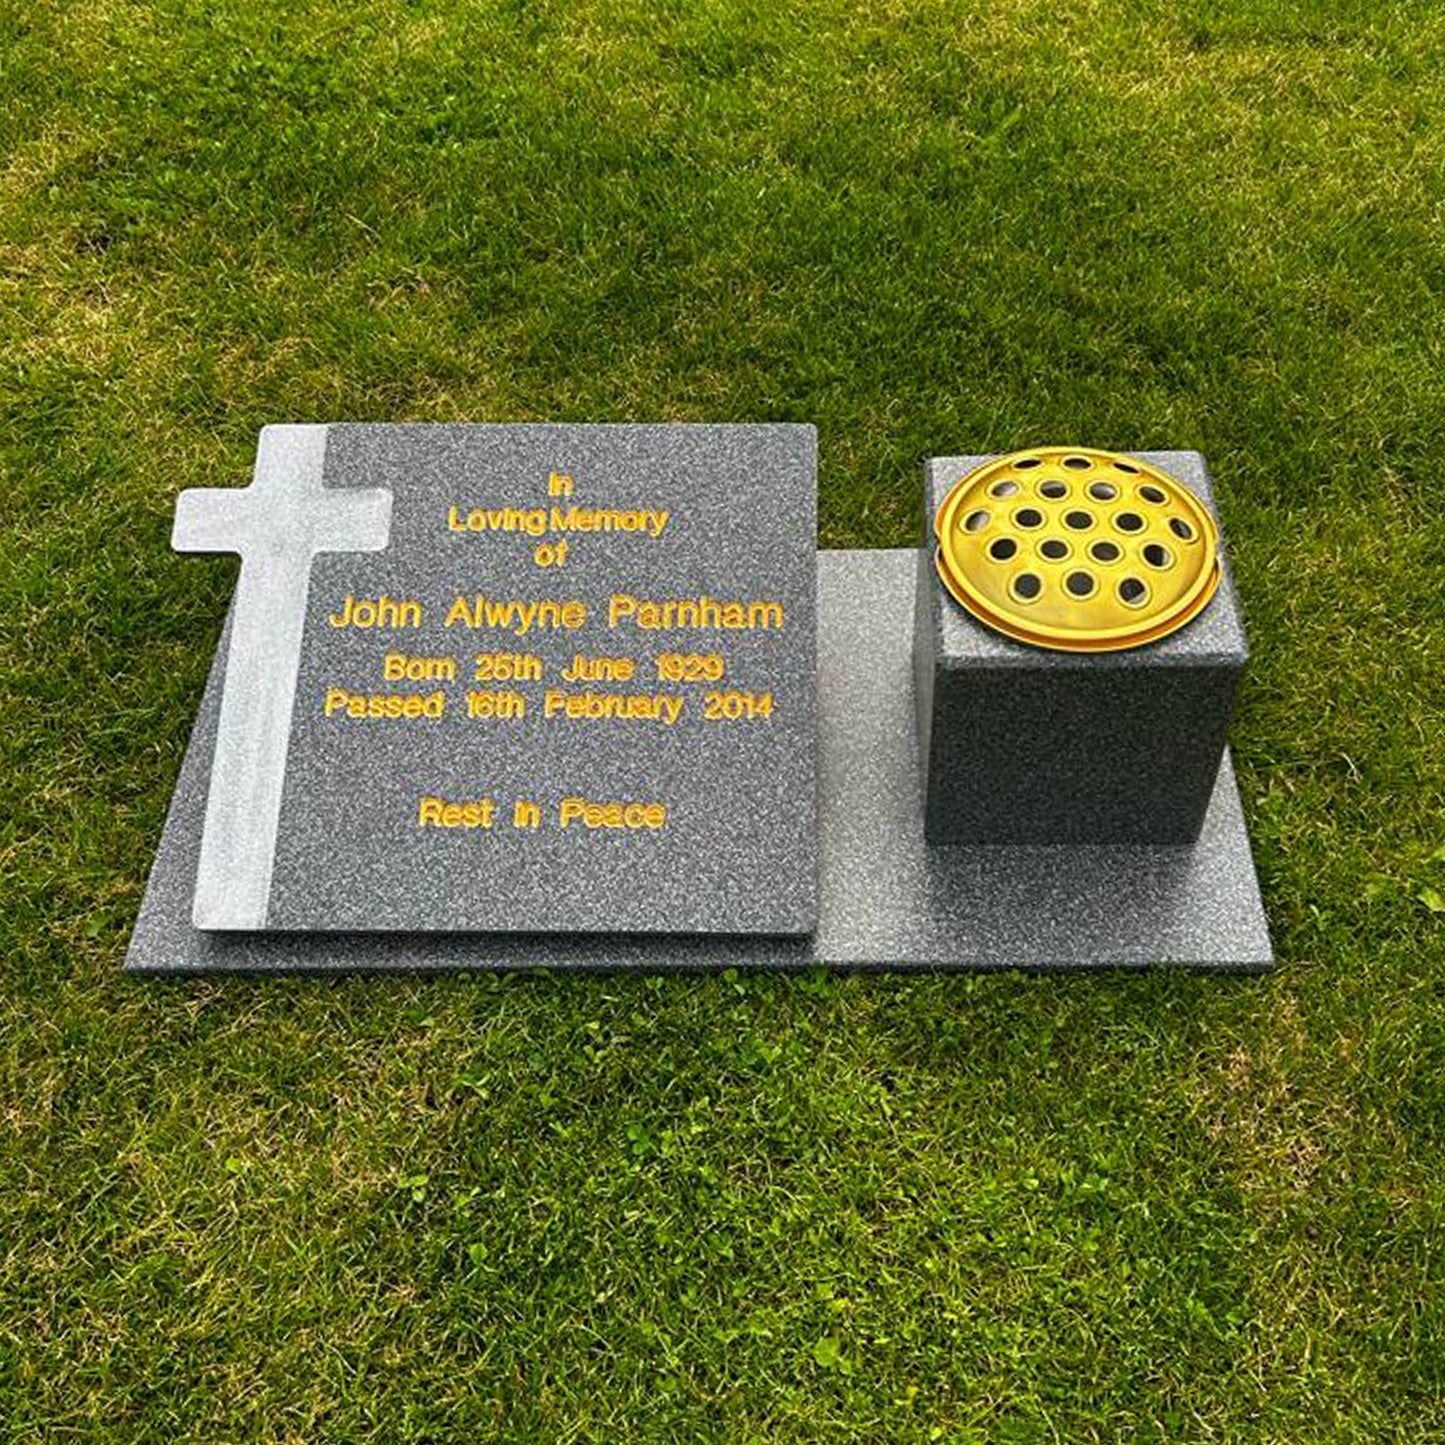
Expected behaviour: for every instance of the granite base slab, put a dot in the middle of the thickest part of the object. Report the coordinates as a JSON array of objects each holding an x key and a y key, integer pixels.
[{"x": 886, "y": 900}]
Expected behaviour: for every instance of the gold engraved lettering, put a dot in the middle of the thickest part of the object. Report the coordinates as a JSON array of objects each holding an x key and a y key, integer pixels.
[
  {"x": 659, "y": 707},
  {"x": 516, "y": 616},
  {"x": 380, "y": 611},
  {"x": 504, "y": 706},
  {"x": 507, "y": 667},
  {"x": 599, "y": 669},
  {"x": 689, "y": 667},
  {"x": 439, "y": 813},
  {"x": 530, "y": 520},
  {"x": 630, "y": 816},
  {"x": 652, "y": 523},
  {"x": 401, "y": 667},
  {"x": 731, "y": 706},
  {"x": 363, "y": 707},
  {"x": 695, "y": 613},
  {"x": 537, "y": 521}
]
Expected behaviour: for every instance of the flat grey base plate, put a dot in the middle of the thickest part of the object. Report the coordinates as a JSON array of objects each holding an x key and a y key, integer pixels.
[{"x": 887, "y": 901}]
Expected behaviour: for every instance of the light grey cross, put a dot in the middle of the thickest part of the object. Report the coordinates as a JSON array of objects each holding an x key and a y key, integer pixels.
[{"x": 277, "y": 525}]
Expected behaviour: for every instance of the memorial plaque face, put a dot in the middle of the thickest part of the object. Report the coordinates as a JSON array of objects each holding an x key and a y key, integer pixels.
[{"x": 567, "y": 685}]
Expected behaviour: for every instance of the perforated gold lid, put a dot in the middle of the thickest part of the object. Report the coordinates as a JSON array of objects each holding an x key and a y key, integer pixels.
[{"x": 1076, "y": 549}]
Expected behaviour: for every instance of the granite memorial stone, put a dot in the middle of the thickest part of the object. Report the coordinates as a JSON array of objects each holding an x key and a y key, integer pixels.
[
  {"x": 589, "y": 697},
  {"x": 515, "y": 678}
]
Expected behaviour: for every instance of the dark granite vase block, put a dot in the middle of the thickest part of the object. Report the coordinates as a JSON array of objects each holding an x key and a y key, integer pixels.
[{"x": 1023, "y": 745}]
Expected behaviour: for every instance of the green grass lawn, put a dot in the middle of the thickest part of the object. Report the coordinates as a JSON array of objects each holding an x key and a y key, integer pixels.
[{"x": 743, "y": 1208}]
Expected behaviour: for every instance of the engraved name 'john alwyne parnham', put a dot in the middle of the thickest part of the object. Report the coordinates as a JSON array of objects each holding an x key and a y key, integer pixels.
[{"x": 515, "y": 678}]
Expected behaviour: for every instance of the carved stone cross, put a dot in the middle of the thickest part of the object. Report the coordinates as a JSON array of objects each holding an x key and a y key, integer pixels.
[{"x": 277, "y": 525}]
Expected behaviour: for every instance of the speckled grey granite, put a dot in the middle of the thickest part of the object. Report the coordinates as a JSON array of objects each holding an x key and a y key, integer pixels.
[
  {"x": 1024, "y": 745},
  {"x": 738, "y": 853},
  {"x": 887, "y": 901},
  {"x": 277, "y": 525}
]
